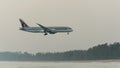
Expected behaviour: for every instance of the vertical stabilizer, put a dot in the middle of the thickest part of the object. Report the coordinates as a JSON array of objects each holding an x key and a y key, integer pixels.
[{"x": 23, "y": 24}]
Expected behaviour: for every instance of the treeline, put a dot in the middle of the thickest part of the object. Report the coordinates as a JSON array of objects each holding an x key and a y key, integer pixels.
[{"x": 102, "y": 51}]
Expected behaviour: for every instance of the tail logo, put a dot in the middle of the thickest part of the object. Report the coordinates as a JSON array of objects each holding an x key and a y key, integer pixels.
[{"x": 23, "y": 24}]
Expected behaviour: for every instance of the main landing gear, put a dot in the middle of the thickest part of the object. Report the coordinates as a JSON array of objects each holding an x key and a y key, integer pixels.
[{"x": 46, "y": 34}]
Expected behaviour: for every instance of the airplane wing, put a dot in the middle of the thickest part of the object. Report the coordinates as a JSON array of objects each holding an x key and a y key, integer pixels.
[{"x": 46, "y": 29}]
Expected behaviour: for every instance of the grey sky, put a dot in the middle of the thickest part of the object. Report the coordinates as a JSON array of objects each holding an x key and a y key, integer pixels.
[{"x": 93, "y": 21}]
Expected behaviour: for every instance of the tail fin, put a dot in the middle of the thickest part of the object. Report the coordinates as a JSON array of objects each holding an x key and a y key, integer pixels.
[{"x": 23, "y": 24}]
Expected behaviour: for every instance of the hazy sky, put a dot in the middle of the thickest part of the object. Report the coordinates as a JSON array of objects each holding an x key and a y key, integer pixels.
[{"x": 93, "y": 21}]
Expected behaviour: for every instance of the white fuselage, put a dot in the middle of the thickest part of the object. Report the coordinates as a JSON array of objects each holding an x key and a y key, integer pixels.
[{"x": 41, "y": 30}]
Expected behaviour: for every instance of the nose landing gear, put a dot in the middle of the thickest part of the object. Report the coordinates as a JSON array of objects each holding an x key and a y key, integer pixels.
[{"x": 67, "y": 33}]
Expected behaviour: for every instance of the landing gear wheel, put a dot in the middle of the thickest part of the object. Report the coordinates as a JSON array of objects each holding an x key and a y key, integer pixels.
[
  {"x": 67, "y": 33},
  {"x": 45, "y": 34}
]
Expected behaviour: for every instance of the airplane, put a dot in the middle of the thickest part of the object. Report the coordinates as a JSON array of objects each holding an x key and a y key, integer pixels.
[{"x": 44, "y": 29}]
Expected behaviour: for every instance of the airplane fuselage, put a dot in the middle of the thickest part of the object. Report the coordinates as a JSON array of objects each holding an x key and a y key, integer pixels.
[{"x": 41, "y": 30}]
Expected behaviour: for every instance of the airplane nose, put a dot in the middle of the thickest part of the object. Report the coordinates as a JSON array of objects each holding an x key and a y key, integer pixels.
[{"x": 71, "y": 30}]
